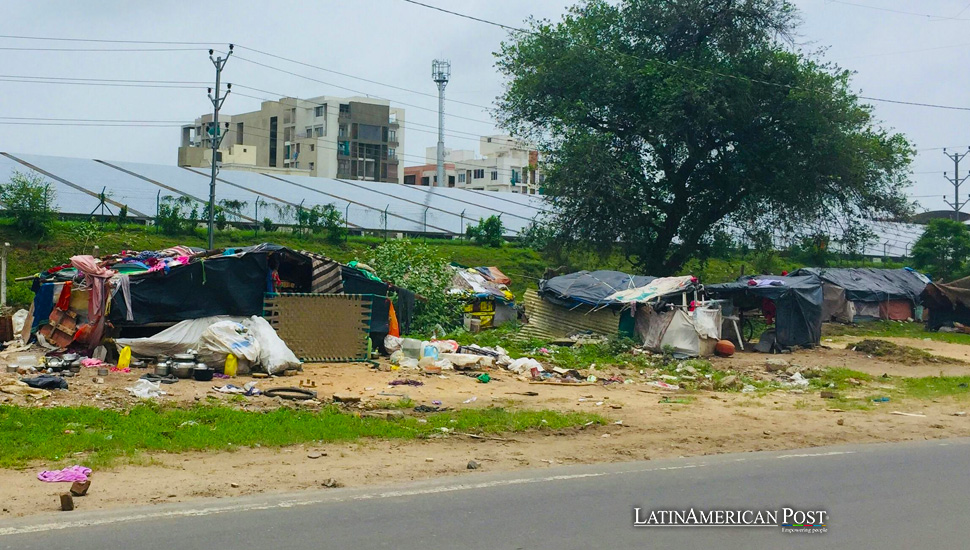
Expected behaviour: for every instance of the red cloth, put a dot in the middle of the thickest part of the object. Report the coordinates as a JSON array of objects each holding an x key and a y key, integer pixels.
[
  {"x": 64, "y": 300},
  {"x": 768, "y": 309}
]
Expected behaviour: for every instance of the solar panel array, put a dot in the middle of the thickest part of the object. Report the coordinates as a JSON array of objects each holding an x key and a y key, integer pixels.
[{"x": 79, "y": 184}]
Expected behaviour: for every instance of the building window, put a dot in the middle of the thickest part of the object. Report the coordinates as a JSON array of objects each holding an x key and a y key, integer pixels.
[
  {"x": 392, "y": 118},
  {"x": 344, "y": 148},
  {"x": 273, "y": 138},
  {"x": 312, "y": 147},
  {"x": 343, "y": 167},
  {"x": 494, "y": 175},
  {"x": 425, "y": 180},
  {"x": 369, "y": 132},
  {"x": 392, "y": 135},
  {"x": 409, "y": 179},
  {"x": 320, "y": 111},
  {"x": 311, "y": 166},
  {"x": 391, "y": 153},
  {"x": 342, "y": 132},
  {"x": 490, "y": 140},
  {"x": 239, "y": 133},
  {"x": 479, "y": 174},
  {"x": 451, "y": 181},
  {"x": 318, "y": 131},
  {"x": 344, "y": 109},
  {"x": 309, "y": 131},
  {"x": 461, "y": 178}
]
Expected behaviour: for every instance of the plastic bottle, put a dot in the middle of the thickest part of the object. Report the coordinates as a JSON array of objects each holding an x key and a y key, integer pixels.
[
  {"x": 231, "y": 365},
  {"x": 124, "y": 358},
  {"x": 429, "y": 350}
]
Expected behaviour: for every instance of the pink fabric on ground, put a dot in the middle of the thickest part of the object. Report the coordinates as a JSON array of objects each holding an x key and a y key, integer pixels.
[
  {"x": 71, "y": 474},
  {"x": 92, "y": 362}
]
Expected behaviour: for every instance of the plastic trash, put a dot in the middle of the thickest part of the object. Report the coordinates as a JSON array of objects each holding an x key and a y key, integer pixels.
[
  {"x": 146, "y": 389},
  {"x": 231, "y": 365},
  {"x": 797, "y": 380},
  {"x": 392, "y": 343},
  {"x": 748, "y": 388},
  {"x": 470, "y": 400},
  {"x": 124, "y": 358},
  {"x": 523, "y": 365},
  {"x": 18, "y": 320},
  {"x": 411, "y": 348},
  {"x": 429, "y": 350},
  {"x": 484, "y": 378}
]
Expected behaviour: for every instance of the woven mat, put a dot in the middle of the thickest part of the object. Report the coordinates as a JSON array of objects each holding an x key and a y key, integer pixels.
[{"x": 321, "y": 327}]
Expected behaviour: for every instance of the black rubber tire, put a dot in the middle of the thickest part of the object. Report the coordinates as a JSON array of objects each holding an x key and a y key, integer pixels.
[{"x": 294, "y": 394}]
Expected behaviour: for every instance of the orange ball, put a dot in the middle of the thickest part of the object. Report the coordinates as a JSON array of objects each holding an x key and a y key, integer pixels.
[{"x": 724, "y": 348}]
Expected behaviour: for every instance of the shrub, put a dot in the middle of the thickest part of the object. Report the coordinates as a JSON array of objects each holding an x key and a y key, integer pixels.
[
  {"x": 488, "y": 232},
  {"x": 29, "y": 199},
  {"x": 421, "y": 269}
]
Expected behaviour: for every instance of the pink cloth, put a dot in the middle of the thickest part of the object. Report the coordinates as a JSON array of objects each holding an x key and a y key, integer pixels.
[
  {"x": 71, "y": 474},
  {"x": 92, "y": 363},
  {"x": 95, "y": 276}
]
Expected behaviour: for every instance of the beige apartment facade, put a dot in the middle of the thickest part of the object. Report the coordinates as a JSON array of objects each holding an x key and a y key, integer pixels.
[
  {"x": 334, "y": 137},
  {"x": 504, "y": 164}
]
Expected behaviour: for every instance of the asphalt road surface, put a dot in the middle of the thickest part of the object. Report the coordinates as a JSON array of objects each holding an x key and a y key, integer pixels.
[{"x": 903, "y": 495}]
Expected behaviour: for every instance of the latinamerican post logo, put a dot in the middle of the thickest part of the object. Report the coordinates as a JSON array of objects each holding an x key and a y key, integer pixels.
[{"x": 789, "y": 520}]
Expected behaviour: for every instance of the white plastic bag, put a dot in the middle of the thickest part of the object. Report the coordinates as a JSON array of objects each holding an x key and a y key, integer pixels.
[
  {"x": 225, "y": 337},
  {"x": 524, "y": 365},
  {"x": 392, "y": 343},
  {"x": 19, "y": 319},
  {"x": 274, "y": 356},
  {"x": 146, "y": 389}
]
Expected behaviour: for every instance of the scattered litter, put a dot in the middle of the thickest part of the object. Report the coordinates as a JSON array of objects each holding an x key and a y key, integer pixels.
[
  {"x": 470, "y": 400},
  {"x": 663, "y": 385},
  {"x": 880, "y": 399},
  {"x": 405, "y": 382},
  {"x": 897, "y": 413},
  {"x": 797, "y": 381},
  {"x": 748, "y": 388},
  {"x": 146, "y": 389},
  {"x": 961, "y": 413},
  {"x": 484, "y": 378}
]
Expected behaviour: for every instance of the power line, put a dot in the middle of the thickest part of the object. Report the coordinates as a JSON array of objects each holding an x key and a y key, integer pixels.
[
  {"x": 901, "y": 12},
  {"x": 695, "y": 69},
  {"x": 104, "y": 84},
  {"x": 271, "y": 67},
  {"x": 34, "y": 77},
  {"x": 88, "y": 119},
  {"x": 10, "y": 48},
  {"x": 358, "y": 77},
  {"x": 106, "y": 41}
]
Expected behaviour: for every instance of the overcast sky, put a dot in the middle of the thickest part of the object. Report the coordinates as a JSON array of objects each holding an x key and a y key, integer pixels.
[{"x": 897, "y": 50}]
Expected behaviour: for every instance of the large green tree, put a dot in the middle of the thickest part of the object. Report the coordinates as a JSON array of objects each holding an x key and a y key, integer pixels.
[
  {"x": 663, "y": 122},
  {"x": 943, "y": 250}
]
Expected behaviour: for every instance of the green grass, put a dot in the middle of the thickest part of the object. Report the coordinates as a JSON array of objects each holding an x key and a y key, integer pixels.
[
  {"x": 101, "y": 437},
  {"x": 900, "y": 354},
  {"x": 893, "y": 329},
  {"x": 931, "y": 387},
  {"x": 839, "y": 376}
]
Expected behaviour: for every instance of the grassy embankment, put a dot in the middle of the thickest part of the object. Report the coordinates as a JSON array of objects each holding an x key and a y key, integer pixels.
[{"x": 96, "y": 437}]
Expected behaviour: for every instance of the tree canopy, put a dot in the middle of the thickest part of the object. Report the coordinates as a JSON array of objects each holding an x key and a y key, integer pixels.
[
  {"x": 943, "y": 250},
  {"x": 662, "y": 123}
]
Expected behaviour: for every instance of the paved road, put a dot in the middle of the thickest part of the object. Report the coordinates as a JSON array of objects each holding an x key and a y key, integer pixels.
[{"x": 905, "y": 495}]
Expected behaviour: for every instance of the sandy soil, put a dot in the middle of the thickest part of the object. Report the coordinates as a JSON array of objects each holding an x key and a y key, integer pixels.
[{"x": 646, "y": 428}]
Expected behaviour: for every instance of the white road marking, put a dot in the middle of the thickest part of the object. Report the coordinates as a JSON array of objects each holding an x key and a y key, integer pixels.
[{"x": 832, "y": 453}]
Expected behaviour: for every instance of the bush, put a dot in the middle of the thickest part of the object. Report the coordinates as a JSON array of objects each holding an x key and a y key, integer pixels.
[
  {"x": 421, "y": 269},
  {"x": 172, "y": 218},
  {"x": 489, "y": 232},
  {"x": 268, "y": 225},
  {"x": 29, "y": 198},
  {"x": 322, "y": 217}
]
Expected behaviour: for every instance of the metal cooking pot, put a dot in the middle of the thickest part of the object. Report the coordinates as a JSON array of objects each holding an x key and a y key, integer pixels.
[
  {"x": 137, "y": 364},
  {"x": 182, "y": 370},
  {"x": 161, "y": 369},
  {"x": 184, "y": 358},
  {"x": 70, "y": 358}
]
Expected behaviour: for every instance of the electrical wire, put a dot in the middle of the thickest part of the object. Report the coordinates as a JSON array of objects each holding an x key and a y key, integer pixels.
[{"x": 106, "y": 41}]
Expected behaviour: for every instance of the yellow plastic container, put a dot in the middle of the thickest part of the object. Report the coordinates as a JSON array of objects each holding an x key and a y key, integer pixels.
[
  {"x": 231, "y": 364},
  {"x": 124, "y": 358}
]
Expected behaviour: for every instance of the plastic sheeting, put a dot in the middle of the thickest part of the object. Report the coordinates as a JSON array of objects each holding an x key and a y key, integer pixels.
[
  {"x": 798, "y": 304},
  {"x": 656, "y": 289},
  {"x": 871, "y": 284},
  {"x": 177, "y": 338},
  {"x": 589, "y": 287},
  {"x": 690, "y": 334}
]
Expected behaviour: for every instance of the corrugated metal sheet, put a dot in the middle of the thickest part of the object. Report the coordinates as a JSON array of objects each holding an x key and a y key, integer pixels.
[{"x": 548, "y": 321}]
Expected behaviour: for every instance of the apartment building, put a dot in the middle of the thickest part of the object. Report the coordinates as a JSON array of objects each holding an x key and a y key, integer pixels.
[
  {"x": 331, "y": 137},
  {"x": 504, "y": 164}
]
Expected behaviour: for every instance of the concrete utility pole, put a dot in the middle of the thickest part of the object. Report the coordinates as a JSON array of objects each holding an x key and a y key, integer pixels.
[
  {"x": 217, "y": 136},
  {"x": 956, "y": 180},
  {"x": 441, "y": 72}
]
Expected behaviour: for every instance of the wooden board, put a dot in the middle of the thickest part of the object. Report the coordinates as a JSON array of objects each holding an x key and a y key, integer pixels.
[{"x": 322, "y": 327}]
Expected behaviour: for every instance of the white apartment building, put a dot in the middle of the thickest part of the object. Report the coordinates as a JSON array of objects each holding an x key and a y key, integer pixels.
[
  {"x": 331, "y": 137},
  {"x": 503, "y": 165}
]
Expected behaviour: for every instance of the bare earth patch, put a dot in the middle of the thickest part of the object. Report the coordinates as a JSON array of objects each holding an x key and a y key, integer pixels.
[{"x": 646, "y": 428}]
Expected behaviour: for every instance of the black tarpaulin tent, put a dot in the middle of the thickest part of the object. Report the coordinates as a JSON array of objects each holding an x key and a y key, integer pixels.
[
  {"x": 797, "y": 299},
  {"x": 947, "y": 303},
  {"x": 588, "y": 287},
  {"x": 877, "y": 293}
]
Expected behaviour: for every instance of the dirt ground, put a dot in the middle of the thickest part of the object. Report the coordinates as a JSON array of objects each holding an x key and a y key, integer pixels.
[{"x": 642, "y": 427}]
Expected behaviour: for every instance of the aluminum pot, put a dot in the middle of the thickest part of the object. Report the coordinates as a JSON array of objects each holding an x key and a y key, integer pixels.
[
  {"x": 182, "y": 370},
  {"x": 202, "y": 373},
  {"x": 183, "y": 358}
]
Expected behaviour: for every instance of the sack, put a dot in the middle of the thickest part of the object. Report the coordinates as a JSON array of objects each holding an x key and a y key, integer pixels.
[
  {"x": 227, "y": 337},
  {"x": 274, "y": 356}
]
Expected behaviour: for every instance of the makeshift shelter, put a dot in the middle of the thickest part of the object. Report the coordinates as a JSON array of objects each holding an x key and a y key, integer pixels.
[
  {"x": 850, "y": 293},
  {"x": 797, "y": 303},
  {"x": 947, "y": 303},
  {"x": 655, "y": 311},
  {"x": 141, "y": 292},
  {"x": 485, "y": 298}
]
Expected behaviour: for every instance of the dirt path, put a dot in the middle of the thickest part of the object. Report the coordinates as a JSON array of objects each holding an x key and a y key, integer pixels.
[{"x": 711, "y": 423}]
